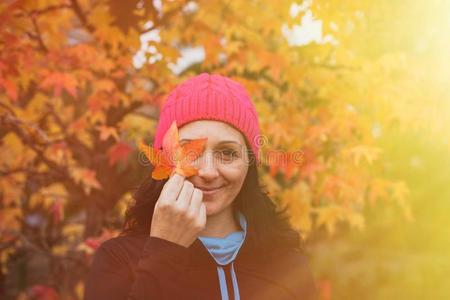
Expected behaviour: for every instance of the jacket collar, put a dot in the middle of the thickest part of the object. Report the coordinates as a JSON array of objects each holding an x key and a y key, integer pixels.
[{"x": 200, "y": 257}]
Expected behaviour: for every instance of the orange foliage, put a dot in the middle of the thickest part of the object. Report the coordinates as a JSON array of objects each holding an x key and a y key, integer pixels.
[
  {"x": 74, "y": 103},
  {"x": 174, "y": 157}
]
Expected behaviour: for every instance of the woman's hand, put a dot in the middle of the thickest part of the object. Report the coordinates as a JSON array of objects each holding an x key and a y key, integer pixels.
[{"x": 180, "y": 213}]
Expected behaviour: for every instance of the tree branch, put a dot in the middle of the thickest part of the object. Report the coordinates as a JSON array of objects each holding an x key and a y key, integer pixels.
[
  {"x": 38, "y": 35},
  {"x": 38, "y": 139},
  {"x": 81, "y": 16}
]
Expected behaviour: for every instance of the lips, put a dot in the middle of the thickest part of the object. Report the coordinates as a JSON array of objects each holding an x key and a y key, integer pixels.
[
  {"x": 206, "y": 189},
  {"x": 210, "y": 190}
]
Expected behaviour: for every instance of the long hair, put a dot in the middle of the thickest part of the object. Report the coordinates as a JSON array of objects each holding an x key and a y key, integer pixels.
[{"x": 272, "y": 227}]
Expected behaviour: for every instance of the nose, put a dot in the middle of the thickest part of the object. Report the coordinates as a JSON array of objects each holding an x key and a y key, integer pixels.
[{"x": 206, "y": 165}]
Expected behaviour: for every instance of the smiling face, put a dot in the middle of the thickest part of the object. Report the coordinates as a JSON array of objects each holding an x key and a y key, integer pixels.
[{"x": 223, "y": 164}]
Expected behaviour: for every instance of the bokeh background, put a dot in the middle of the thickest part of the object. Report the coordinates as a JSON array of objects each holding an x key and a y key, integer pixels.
[{"x": 361, "y": 88}]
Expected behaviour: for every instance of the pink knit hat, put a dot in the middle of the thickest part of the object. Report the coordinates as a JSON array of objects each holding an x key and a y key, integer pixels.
[{"x": 210, "y": 97}]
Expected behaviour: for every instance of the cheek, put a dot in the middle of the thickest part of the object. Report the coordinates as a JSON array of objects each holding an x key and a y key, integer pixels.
[
  {"x": 235, "y": 178},
  {"x": 233, "y": 171},
  {"x": 220, "y": 202},
  {"x": 238, "y": 176}
]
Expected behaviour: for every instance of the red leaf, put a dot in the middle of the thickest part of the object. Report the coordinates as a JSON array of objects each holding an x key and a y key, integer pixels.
[
  {"x": 118, "y": 152},
  {"x": 10, "y": 88},
  {"x": 95, "y": 242},
  {"x": 43, "y": 292},
  {"x": 59, "y": 81}
]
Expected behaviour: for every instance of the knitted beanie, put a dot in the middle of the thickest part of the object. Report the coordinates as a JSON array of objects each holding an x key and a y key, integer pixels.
[{"x": 210, "y": 97}]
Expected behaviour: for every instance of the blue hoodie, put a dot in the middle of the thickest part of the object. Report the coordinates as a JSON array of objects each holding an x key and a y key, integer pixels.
[{"x": 224, "y": 251}]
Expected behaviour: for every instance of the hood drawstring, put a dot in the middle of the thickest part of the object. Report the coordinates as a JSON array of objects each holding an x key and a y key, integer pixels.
[
  {"x": 224, "y": 251},
  {"x": 228, "y": 282}
]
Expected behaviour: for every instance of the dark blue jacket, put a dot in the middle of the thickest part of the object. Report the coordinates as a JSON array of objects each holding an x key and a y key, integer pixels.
[{"x": 139, "y": 267}]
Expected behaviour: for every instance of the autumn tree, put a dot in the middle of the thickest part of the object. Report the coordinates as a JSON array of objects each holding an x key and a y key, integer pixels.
[{"x": 74, "y": 103}]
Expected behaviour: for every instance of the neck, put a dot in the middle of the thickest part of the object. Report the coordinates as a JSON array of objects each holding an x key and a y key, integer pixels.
[{"x": 221, "y": 225}]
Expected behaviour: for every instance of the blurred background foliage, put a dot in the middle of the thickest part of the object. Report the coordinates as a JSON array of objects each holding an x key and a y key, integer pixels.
[{"x": 358, "y": 88}]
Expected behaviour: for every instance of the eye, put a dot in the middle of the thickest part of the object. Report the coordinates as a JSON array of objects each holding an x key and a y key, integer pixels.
[{"x": 227, "y": 154}]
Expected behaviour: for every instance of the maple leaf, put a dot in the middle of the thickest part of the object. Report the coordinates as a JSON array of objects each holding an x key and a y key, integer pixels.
[
  {"x": 173, "y": 157},
  {"x": 86, "y": 177},
  {"x": 106, "y": 132},
  {"x": 119, "y": 152},
  {"x": 106, "y": 85},
  {"x": 9, "y": 87},
  {"x": 59, "y": 81}
]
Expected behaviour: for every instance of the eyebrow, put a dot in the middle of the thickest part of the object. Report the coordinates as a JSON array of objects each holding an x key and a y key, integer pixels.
[{"x": 219, "y": 143}]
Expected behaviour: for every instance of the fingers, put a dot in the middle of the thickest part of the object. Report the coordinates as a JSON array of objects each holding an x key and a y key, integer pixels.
[
  {"x": 182, "y": 195},
  {"x": 202, "y": 213},
  {"x": 196, "y": 201},
  {"x": 172, "y": 188},
  {"x": 184, "y": 198}
]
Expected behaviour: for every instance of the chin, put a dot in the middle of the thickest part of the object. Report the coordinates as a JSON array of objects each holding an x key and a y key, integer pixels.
[{"x": 212, "y": 208}]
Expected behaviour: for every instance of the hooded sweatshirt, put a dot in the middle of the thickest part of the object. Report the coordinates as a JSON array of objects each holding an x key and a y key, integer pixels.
[
  {"x": 141, "y": 267},
  {"x": 224, "y": 251}
]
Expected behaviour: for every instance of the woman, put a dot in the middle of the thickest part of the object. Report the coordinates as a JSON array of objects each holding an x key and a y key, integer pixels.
[{"x": 214, "y": 235}]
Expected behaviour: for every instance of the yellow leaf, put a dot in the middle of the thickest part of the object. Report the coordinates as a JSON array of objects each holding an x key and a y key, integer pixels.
[{"x": 60, "y": 250}]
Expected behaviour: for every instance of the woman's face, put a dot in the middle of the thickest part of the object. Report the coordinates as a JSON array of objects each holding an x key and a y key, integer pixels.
[{"x": 223, "y": 164}]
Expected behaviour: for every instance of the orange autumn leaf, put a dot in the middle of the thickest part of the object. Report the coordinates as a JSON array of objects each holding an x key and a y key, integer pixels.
[
  {"x": 173, "y": 157},
  {"x": 106, "y": 132},
  {"x": 10, "y": 88},
  {"x": 86, "y": 177},
  {"x": 59, "y": 81}
]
